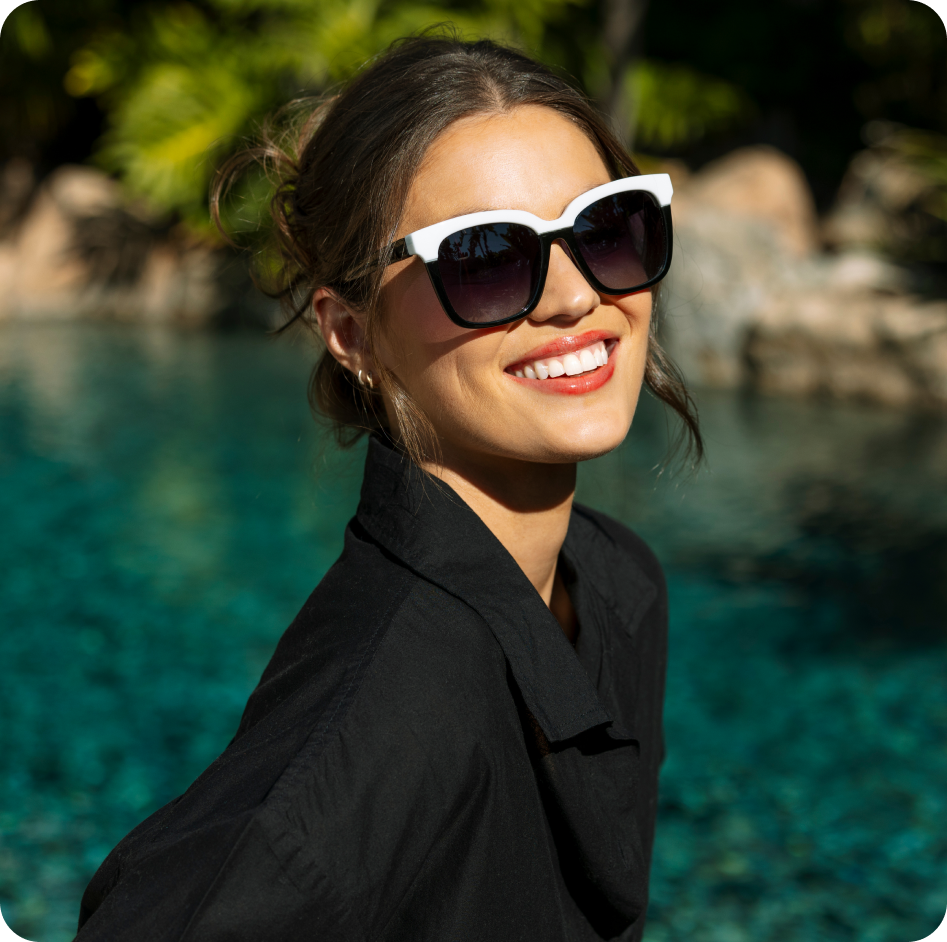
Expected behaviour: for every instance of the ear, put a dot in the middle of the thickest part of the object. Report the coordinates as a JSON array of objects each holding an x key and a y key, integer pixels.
[{"x": 342, "y": 329}]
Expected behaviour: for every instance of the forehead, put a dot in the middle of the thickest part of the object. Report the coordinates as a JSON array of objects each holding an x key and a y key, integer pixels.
[{"x": 530, "y": 158}]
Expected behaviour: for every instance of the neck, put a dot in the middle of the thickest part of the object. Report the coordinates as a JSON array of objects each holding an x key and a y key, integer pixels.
[{"x": 526, "y": 506}]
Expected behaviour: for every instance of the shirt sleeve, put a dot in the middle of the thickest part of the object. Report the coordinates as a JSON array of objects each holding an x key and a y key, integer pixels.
[{"x": 223, "y": 881}]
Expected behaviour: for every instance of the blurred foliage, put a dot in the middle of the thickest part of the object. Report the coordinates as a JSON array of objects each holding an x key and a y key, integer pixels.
[
  {"x": 677, "y": 105},
  {"x": 927, "y": 153},
  {"x": 158, "y": 91},
  {"x": 903, "y": 43},
  {"x": 904, "y": 179},
  {"x": 816, "y": 70},
  {"x": 182, "y": 84}
]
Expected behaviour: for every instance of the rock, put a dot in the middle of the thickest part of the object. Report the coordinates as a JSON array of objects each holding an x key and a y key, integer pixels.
[
  {"x": 744, "y": 228},
  {"x": 82, "y": 191},
  {"x": 762, "y": 185},
  {"x": 42, "y": 274},
  {"x": 866, "y": 346},
  {"x": 724, "y": 269},
  {"x": 81, "y": 250},
  {"x": 743, "y": 306},
  {"x": 17, "y": 182},
  {"x": 891, "y": 197},
  {"x": 182, "y": 284},
  {"x": 877, "y": 191},
  {"x": 860, "y": 270}
]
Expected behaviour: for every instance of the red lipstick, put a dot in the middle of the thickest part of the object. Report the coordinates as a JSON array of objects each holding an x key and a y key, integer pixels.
[
  {"x": 573, "y": 385},
  {"x": 561, "y": 346}
]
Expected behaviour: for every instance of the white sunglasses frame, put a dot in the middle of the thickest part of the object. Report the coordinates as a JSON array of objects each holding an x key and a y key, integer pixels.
[{"x": 425, "y": 243}]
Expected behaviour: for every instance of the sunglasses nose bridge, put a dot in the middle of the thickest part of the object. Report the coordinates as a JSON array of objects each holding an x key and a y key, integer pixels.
[
  {"x": 566, "y": 291},
  {"x": 560, "y": 240}
]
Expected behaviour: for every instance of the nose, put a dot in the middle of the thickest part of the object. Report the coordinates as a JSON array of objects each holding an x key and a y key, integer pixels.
[{"x": 567, "y": 296}]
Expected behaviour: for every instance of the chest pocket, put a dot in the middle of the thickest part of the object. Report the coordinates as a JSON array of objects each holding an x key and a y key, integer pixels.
[{"x": 589, "y": 786}]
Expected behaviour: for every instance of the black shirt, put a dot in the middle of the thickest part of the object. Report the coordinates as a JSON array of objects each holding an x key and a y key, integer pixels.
[{"x": 426, "y": 756}]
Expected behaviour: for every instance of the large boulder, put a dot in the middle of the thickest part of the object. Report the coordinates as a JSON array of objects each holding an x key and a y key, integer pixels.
[
  {"x": 81, "y": 250},
  {"x": 758, "y": 185},
  {"x": 892, "y": 196},
  {"x": 852, "y": 345},
  {"x": 752, "y": 301},
  {"x": 745, "y": 227}
]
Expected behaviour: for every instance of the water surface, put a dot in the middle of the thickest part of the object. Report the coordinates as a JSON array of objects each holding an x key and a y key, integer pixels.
[{"x": 167, "y": 504}]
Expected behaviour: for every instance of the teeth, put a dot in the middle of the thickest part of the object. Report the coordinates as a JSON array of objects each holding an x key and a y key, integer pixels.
[{"x": 571, "y": 364}]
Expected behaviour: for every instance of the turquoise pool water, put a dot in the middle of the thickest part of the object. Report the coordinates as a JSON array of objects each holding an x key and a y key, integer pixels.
[{"x": 166, "y": 505}]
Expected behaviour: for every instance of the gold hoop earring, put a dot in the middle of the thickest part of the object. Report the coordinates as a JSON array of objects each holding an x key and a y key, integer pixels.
[{"x": 367, "y": 380}]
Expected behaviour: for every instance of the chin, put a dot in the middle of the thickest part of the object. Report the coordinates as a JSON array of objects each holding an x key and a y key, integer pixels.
[{"x": 585, "y": 443}]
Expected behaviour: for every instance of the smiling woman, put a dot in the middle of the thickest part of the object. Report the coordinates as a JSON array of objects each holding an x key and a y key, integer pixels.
[{"x": 460, "y": 734}]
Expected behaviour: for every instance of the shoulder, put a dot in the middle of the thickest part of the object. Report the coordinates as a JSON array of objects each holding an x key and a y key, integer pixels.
[
  {"x": 334, "y": 636},
  {"x": 439, "y": 665},
  {"x": 372, "y": 622},
  {"x": 421, "y": 728},
  {"x": 435, "y": 690},
  {"x": 373, "y": 691},
  {"x": 381, "y": 671}
]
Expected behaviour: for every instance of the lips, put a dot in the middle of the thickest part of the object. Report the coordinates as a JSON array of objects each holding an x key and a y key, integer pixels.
[
  {"x": 570, "y": 343},
  {"x": 571, "y": 365}
]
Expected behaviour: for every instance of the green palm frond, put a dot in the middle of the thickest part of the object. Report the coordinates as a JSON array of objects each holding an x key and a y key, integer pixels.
[
  {"x": 677, "y": 105},
  {"x": 187, "y": 89}
]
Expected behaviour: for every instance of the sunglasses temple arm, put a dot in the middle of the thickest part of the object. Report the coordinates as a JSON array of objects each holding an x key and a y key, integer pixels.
[{"x": 399, "y": 252}]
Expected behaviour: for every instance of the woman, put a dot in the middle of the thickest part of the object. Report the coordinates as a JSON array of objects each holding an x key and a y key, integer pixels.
[{"x": 458, "y": 738}]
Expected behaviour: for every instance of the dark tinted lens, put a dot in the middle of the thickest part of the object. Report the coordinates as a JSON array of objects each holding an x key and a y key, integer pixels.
[
  {"x": 489, "y": 272},
  {"x": 623, "y": 239}
]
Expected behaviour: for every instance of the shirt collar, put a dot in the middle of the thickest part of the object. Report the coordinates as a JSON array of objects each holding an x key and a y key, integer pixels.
[
  {"x": 608, "y": 569},
  {"x": 431, "y": 529}
]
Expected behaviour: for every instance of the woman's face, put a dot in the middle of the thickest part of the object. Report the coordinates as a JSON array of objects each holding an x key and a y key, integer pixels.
[{"x": 464, "y": 380}]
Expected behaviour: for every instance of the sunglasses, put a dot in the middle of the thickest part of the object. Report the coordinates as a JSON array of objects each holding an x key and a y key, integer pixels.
[{"x": 489, "y": 268}]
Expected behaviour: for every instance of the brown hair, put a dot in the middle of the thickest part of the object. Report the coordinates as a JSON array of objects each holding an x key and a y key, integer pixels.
[{"x": 342, "y": 171}]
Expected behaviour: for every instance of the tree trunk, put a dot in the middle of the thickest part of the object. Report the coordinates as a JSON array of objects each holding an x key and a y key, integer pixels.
[{"x": 623, "y": 20}]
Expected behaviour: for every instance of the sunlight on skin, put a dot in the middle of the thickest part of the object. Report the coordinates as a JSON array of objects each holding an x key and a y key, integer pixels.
[
  {"x": 536, "y": 160},
  {"x": 508, "y": 449}
]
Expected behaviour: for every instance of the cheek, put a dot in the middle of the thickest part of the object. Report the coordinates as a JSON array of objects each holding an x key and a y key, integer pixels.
[
  {"x": 413, "y": 311},
  {"x": 431, "y": 355},
  {"x": 637, "y": 308},
  {"x": 637, "y": 311}
]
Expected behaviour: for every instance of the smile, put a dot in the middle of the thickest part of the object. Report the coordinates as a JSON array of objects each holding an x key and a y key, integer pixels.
[
  {"x": 568, "y": 365},
  {"x": 571, "y": 364}
]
